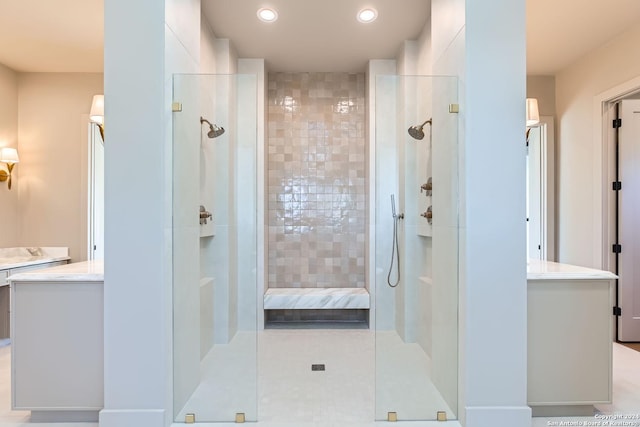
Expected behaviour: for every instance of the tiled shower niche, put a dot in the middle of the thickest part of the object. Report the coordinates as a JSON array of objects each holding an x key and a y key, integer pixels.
[{"x": 316, "y": 173}]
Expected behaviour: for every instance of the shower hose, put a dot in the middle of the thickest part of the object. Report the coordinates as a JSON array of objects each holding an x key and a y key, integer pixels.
[{"x": 395, "y": 250}]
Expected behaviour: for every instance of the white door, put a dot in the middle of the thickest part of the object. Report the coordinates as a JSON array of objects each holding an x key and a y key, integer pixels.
[{"x": 629, "y": 221}]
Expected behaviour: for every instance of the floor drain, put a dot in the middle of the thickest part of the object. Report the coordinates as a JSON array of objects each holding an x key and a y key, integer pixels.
[{"x": 317, "y": 367}]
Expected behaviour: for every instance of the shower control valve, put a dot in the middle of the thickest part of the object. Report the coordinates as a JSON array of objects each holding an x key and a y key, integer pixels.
[
  {"x": 204, "y": 215},
  {"x": 428, "y": 214},
  {"x": 427, "y": 187}
]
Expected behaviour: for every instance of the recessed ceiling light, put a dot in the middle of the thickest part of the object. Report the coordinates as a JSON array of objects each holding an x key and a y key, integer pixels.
[
  {"x": 267, "y": 15},
  {"x": 367, "y": 15}
]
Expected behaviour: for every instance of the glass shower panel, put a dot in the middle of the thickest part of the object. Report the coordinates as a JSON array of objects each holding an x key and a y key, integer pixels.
[
  {"x": 214, "y": 248},
  {"x": 416, "y": 296}
]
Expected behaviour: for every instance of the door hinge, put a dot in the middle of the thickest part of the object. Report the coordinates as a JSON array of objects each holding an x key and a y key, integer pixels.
[
  {"x": 617, "y": 186},
  {"x": 617, "y": 123},
  {"x": 617, "y": 311},
  {"x": 617, "y": 248}
]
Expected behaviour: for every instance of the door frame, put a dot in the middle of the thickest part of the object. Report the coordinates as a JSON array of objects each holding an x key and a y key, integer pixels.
[
  {"x": 604, "y": 168},
  {"x": 547, "y": 188},
  {"x": 92, "y": 226}
]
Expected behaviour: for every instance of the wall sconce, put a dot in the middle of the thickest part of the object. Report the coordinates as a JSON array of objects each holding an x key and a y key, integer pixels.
[
  {"x": 10, "y": 157},
  {"x": 97, "y": 113},
  {"x": 533, "y": 115}
]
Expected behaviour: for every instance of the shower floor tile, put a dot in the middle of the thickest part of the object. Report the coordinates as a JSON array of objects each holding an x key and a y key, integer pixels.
[{"x": 289, "y": 391}]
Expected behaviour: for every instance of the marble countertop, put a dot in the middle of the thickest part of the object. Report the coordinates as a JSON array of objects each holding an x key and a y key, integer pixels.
[
  {"x": 23, "y": 257},
  {"x": 86, "y": 271},
  {"x": 547, "y": 270}
]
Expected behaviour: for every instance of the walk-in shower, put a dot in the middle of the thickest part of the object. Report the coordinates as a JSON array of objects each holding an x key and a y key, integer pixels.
[{"x": 300, "y": 196}]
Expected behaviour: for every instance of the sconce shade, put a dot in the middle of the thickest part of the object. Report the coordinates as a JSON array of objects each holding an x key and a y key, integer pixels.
[
  {"x": 533, "y": 116},
  {"x": 97, "y": 109},
  {"x": 9, "y": 155}
]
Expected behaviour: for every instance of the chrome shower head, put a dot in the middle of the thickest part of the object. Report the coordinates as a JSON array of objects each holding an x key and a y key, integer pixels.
[
  {"x": 416, "y": 132},
  {"x": 214, "y": 130}
]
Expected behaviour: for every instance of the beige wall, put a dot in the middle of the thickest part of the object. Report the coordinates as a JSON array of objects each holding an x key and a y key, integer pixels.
[
  {"x": 9, "y": 209},
  {"x": 543, "y": 88},
  {"x": 207, "y": 48},
  {"x": 576, "y": 87},
  {"x": 52, "y": 132},
  {"x": 424, "y": 51}
]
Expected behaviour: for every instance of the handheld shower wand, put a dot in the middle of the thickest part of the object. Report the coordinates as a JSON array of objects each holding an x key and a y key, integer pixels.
[
  {"x": 393, "y": 206},
  {"x": 395, "y": 249}
]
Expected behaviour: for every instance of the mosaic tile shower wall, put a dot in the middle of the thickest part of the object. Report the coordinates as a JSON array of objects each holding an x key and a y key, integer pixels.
[{"x": 316, "y": 172}]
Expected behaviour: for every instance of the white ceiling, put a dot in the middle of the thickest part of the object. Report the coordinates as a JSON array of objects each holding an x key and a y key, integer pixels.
[
  {"x": 323, "y": 35},
  {"x": 317, "y": 35},
  {"x": 52, "y": 35}
]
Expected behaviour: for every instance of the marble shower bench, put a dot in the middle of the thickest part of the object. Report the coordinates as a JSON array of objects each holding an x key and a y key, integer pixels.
[
  {"x": 285, "y": 305},
  {"x": 315, "y": 298}
]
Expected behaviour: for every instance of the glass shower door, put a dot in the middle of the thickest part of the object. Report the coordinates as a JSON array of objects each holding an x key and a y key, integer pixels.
[
  {"x": 214, "y": 233},
  {"x": 416, "y": 282}
]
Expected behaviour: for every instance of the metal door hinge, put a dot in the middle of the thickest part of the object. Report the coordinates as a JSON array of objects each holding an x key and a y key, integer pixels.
[
  {"x": 441, "y": 416},
  {"x": 617, "y": 249},
  {"x": 190, "y": 418},
  {"x": 617, "y": 186},
  {"x": 176, "y": 107},
  {"x": 392, "y": 416},
  {"x": 240, "y": 418},
  {"x": 617, "y": 311},
  {"x": 617, "y": 123},
  {"x": 454, "y": 108}
]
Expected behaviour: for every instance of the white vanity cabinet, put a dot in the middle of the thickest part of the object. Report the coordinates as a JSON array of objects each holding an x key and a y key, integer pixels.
[
  {"x": 57, "y": 342},
  {"x": 19, "y": 260},
  {"x": 5, "y": 310},
  {"x": 570, "y": 337}
]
